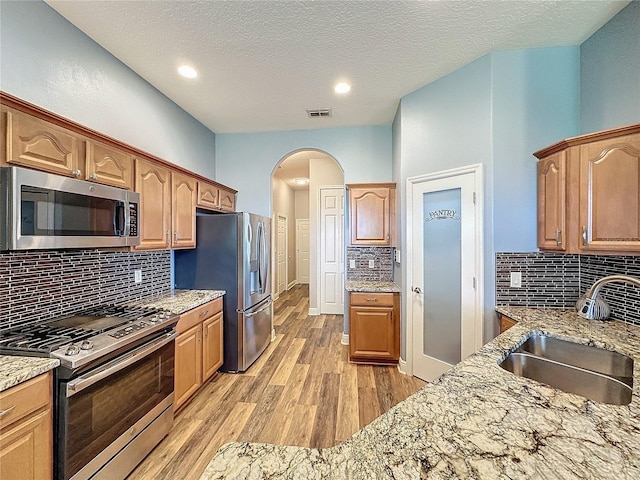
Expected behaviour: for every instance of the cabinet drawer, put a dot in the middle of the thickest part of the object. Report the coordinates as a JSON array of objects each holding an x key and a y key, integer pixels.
[
  {"x": 370, "y": 299},
  {"x": 23, "y": 399},
  {"x": 197, "y": 315}
]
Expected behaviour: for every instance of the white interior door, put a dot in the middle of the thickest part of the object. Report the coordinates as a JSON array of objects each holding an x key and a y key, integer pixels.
[
  {"x": 302, "y": 250},
  {"x": 281, "y": 254},
  {"x": 331, "y": 250},
  {"x": 446, "y": 241}
]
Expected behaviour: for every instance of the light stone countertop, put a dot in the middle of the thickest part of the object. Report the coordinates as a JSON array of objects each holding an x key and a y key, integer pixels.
[
  {"x": 15, "y": 370},
  {"x": 178, "y": 301},
  {"x": 371, "y": 286},
  {"x": 477, "y": 421}
]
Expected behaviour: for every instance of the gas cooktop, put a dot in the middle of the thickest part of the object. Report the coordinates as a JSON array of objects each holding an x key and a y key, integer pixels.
[{"x": 87, "y": 335}]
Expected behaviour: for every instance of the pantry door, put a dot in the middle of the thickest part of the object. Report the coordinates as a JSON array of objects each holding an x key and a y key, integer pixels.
[{"x": 445, "y": 270}]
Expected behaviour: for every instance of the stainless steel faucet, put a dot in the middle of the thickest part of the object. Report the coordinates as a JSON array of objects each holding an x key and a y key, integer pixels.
[{"x": 593, "y": 307}]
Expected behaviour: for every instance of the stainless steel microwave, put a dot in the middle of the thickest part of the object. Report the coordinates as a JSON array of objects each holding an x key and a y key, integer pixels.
[{"x": 41, "y": 210}]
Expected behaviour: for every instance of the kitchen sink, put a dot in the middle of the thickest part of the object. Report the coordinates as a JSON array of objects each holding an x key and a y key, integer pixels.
[{"x": 594, "y": 373}]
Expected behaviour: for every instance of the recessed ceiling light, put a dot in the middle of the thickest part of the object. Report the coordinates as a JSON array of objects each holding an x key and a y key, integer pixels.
[
  {"x": 342, "y": 87},
  {"x": 187, "y": 71},
  {"x": 301, "y": 181}
]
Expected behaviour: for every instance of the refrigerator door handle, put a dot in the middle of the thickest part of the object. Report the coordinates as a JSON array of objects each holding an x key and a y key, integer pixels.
[
  {"x": 265, "y": 265},
  {"x": 267, "y": 305}
]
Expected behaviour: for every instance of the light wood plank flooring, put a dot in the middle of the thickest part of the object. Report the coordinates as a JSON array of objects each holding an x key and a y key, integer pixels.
[{"x": 301, "y": 391}]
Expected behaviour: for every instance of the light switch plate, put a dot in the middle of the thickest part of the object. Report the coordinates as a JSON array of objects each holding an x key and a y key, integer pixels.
[
  {"x": 137, "y": 276},
  {"x": 396, "y": 256},
  {"x": 352, "y": 264},
  {"x": 516, "y": 280},
  {"x": 371, "y": 264}
]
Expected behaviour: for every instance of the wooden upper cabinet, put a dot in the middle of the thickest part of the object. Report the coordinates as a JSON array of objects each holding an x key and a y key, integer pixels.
[
  {"x": 108, "y": 165},
  {"x": 552, "y": 202},
  {"x": 35, "y": 143},
  {"x": 153, "y": 183},
  {"x": 610, "y": 194},
  {"x": 183, "y": 211},
  {"x": 208, "y": 195},
  {"x": 227, "y": 200},
  {"x": 589, "y": 189},
  {"x": 372, "y": 214}
]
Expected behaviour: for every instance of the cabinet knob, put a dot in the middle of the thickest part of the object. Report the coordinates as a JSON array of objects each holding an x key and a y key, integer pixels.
[
  {"x": 585, "y": 238},
  {"x": 93, "y": 176},
  {"x": 417, "y": 289},
  {"x": 77, "y": 173}
]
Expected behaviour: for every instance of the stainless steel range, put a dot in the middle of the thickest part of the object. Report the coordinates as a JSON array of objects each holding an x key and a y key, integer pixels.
[{"x": 114, "y": 388}]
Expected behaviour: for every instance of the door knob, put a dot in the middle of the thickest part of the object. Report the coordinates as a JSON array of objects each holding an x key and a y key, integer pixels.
[{"x": 417, "y": 289}]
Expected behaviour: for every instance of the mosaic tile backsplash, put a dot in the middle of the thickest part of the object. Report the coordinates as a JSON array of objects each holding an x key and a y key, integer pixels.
[
  {"x": 382, "y": 263},
  {"x": 38, "y": 285},
  {"x": 557, "y": 280}
]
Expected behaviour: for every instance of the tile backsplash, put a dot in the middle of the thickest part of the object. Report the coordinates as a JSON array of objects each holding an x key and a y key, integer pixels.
[
  {"x": 557, "y": 280},
  {"x": 42, "y": 284},
  {"x": 382, "y": 263}
]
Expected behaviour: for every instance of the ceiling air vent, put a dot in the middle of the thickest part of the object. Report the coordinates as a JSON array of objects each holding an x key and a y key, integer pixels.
[{"x": 318, "y": 112}]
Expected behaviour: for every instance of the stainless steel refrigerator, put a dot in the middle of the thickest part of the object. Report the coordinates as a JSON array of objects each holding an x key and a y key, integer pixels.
[{"x": 233, "y": 254}]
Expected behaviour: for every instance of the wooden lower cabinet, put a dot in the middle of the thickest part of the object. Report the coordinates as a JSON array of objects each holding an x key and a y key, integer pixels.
[
  {"x": 199, "y": 349},
  {"x": 26, "y": 430},
  {"x": 374, "y": 327},
  {"x": 506, "y": 323}
]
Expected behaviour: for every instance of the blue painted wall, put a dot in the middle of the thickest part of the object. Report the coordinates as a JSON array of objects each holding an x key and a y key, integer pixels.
[
  {"x": 246, "y": 160},
  {"x": 47, "y": 61},
  {"x": 610, "y": 73}
]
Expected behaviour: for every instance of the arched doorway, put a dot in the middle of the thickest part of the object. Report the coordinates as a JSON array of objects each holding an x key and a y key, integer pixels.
[{"x": 299, "y": 181}]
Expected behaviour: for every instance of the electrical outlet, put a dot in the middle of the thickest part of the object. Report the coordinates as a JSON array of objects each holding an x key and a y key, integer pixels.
[
  {"x": 516, "y": 280},
  {"x": 137, "y": 276},
  {"x": 352, "y": 264},
  {"x": 397, "y": 256},
  {"x": 371, "y": 264}
]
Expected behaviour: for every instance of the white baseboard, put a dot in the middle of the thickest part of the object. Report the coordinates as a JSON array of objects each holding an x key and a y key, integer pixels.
[
  {"x": 402, "y": 367},
  {"x": 276, "y": 296},
  {"x": 314, "y": 311},
  {"x": 273, "y": 334},
  {"x": 345, "y": 339},
  {"x": 292, "y": 284}
]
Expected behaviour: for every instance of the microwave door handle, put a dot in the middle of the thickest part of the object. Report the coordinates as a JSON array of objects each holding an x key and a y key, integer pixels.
[
  {"x": 110, "y": 368},
  {"x": 119, "y": 220}
]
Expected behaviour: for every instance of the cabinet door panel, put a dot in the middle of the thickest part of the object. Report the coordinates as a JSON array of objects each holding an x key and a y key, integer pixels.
[
  {"x": 183, "y": 211},
  {"x": 610, "y": 195},
  {"x": 153, "y": 183},
  {"x": 212, "y": 346},
  {"x": 34, "y": 143},
  {"x": 188, "y": 368},
  {"x": 552, "y": 202},
  {"x": 26, "y": 450},
  {"x": 227, "y": 201},
  {"x": 208, "y": 195},
  {"x": 372, "y": 333},
  {"x": 370, "y": 216},
  {"x": 109, "y": 166}
]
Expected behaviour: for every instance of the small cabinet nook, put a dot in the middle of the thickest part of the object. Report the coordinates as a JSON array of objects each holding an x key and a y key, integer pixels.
[
  {"x": 589, "y": 193},
  {"x": 372, "y": 213},
  {"x": 374, "y": 327},
  {"x": 26, "y": 430},
  {"x": 505, "y": 323},
  {"x": 199, "y": 351}
]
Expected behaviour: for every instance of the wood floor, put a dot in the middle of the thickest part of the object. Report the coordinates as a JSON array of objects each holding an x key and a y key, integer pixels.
[{"x": 301, "y": 391}]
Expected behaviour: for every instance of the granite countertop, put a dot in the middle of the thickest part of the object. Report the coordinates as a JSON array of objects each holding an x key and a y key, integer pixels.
[
  {"x": 15, "y": 370},
  {"x": 371, "y": 286},
  {"x": 178, "y": 301},
  {"x": 477, "y": 421}
]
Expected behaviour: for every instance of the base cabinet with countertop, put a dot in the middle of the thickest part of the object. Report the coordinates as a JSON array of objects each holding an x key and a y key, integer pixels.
[
  {"x": 505, "y": 322},
  {"x": 199, "y": 349},
  {"x": 26, "y": 430},
  {"x": 374, "y": 327}
]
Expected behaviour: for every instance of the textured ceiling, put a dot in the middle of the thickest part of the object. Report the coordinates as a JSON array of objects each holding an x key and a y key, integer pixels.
[{"x": 263, "y": 62}]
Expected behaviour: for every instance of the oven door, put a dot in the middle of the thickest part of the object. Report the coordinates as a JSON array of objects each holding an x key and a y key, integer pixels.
[{"x": 103, "y": 411}]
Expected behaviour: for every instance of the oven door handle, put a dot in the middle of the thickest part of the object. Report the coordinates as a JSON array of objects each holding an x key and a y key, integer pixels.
[{"x": 114, "y": 366}]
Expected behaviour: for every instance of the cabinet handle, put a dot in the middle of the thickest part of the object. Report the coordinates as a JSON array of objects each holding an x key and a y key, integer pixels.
[
  {"x": 168, "y": 237},
  {"x": 199, "y": 336},
  {"x": 77, "y": 173},
  {"x": 370, "y": 299},
  {"x": 93, "y": 176},
  {"x": 585, "y": 239},
  {"x": 175, "y": 236},
  {"x": 558, "y": 237},
  {"x": 204, "y": 314},
  {"x": 206, "y": 333},
  {"x": 5, "y": 411}
]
